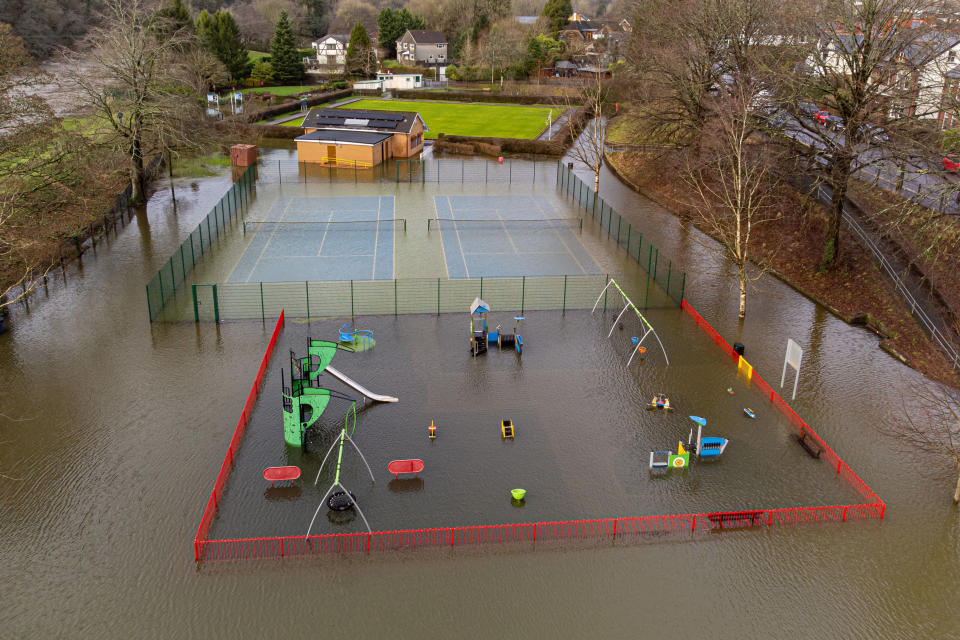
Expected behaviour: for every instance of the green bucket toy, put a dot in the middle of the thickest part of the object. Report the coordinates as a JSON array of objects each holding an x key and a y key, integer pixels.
[{"x": 518, "y": 494}]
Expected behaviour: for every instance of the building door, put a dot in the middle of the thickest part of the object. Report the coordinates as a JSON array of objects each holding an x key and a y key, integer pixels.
[{"x": 331, "y": 154}]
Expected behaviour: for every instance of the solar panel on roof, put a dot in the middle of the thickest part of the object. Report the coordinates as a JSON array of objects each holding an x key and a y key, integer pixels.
[{"x": 370, "y": 115}]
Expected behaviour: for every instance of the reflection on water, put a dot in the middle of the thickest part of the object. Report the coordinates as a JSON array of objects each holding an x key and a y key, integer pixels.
[{"x": 120, "y": 428}]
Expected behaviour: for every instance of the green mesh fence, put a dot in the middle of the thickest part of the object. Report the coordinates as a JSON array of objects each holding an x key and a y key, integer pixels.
[
  {"x": 385, "y": 297},
  {"x": 659, "y": 268},
  {"x": 224, "y": 215}
]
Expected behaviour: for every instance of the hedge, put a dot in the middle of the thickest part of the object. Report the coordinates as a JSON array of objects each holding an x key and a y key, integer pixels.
[{"x": 413, "y": 94}]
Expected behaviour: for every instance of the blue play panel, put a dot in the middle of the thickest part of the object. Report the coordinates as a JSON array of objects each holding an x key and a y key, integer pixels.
[
  {"x": 320, "y": 239},
  {"x": 502, "y": 236}
]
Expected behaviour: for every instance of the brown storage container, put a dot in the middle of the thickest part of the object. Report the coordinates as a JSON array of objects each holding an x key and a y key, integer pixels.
[{"x": 243, "y": 155}]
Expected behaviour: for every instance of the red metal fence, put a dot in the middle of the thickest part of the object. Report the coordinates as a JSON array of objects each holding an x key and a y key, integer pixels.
[
  {"x": 530, "y": 533},
  {"x": 221, "y": 480}
]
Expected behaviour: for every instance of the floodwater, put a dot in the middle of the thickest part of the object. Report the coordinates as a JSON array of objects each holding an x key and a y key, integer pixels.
[{"x": 113, "y": 430}]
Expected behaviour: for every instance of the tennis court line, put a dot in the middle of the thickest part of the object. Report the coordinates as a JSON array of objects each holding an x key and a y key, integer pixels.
[
  {"x": 323, "y": 240},
  {"x": 376, "y": 240},
  {"x": 269, "y": 240},
  {"x": 463, "y": 256},
  {"x": 563, "y": 242},
  {"x": 443, "y": 251}
]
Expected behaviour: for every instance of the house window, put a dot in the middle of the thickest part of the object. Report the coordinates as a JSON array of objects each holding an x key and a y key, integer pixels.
[
  {"x": 417, "y": 78},
  {"x": 951, "y": 56},
  {"x": 441, "y": 46}
]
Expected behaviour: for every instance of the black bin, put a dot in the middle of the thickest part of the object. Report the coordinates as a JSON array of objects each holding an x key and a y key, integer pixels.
[{"x": 738, "y": 347}]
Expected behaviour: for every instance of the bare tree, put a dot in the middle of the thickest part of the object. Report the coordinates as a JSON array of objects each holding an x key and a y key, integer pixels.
[
  {"x": 589, "y": 134},
  {"x": 861, "y": 62},
  {"x": 930, "y": 425},
  {"x": 45, "y": 189},
  {"x": 143, "y": 107},
  {"x": 673, "y": 63},
  {"x": 733, "y": 179}
]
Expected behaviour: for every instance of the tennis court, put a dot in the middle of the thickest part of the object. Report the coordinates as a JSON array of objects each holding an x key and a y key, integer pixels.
[
  {"x": 320, "y": 239},
  {"x": 502, "y": 236}
]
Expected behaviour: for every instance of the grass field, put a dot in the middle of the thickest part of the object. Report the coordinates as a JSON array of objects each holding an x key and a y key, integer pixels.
[
  {"x": 488, "y": 120},
  {"x": 256, "y": 56}
]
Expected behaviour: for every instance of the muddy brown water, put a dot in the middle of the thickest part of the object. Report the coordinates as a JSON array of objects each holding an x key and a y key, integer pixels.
[{"x": 113, "y": 430}]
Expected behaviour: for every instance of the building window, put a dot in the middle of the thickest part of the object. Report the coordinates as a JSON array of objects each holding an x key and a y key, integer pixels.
[{"x": 951, "y": 56}]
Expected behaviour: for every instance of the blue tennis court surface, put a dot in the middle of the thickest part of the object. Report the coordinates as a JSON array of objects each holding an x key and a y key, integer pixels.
[
  {"x": 501, "y": 236},
  {"x": 320, "y": 239}
]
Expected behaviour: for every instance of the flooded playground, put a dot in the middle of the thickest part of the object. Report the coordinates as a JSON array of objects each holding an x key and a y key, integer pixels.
[
  {"x": 107, "y": 465},
  {"x": 577, "y": 460}
]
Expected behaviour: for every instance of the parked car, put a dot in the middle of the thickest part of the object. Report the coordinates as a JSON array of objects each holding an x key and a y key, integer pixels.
[
  {"x": 874, "y": 133},
  {"x": 821, "y": 116},
  {"x": 835, "y": 123},
  {"x": 951, "y": 164}
]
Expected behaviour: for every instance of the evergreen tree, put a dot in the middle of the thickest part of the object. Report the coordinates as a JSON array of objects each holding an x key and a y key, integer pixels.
[
  {"x": 284, "y": 56},
  {"x": 558, "y": 13},
  {"x": 221, "y": 37},
  {"x": 393, "y": 24},
  {"x": 316, "y": 19},
  {"x": 171, "y": 18},
  {"x": 361, "y": 58}
]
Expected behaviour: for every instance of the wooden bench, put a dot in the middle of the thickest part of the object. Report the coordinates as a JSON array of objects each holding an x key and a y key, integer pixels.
[{"x": 808, "y": 444}]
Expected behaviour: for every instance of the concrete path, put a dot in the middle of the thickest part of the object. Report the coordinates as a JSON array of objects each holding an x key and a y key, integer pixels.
[{"x": 552, "y": 130}]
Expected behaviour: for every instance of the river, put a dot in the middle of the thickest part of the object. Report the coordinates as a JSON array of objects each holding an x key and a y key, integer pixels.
[{"x": 113, "y": 428}]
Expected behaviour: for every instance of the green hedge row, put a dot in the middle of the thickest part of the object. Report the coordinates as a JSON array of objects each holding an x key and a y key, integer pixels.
[{"x": 476, "y": 96}]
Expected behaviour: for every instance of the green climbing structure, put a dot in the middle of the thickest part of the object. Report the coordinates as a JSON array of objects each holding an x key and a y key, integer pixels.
[{"x": 306, "y": 403}]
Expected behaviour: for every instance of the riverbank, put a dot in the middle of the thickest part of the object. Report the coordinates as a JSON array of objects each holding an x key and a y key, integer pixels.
[{"x": 790, "y": 248}]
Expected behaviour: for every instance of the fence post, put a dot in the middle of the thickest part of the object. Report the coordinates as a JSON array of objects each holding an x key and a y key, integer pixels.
[
  {"x": 534, "y": 172},
  {"x": 351, "y": 299},
  {"x": 683, "y": 284},
  {"x": 563, "y": 308},
  {"x": 279, "y": 175},
  {"x": 183, "y": 263},
  {"x": 149, "y": 308},
  {"x": 523, "y": 293},
  {"x": 605, "y": 293},
  {"x": 461, "y": 172},
  {"x": 173, "y": 279},
  {"x": 306, "y": 288},
  {"x": 481, "y": 286},
  {"x": 619, "y": 221},
  {"x": 629, "y": 230},
  {"x": 200, "y": 229},
  {"x": 216, "y": 306},
  {"x": 646, "y": 294},
  {"x": 394, "y": 296},
  {"x": 511, "y": 172},
  {"x": 844, "y": 519},
  {"x": 656, "y": 259},
  {"x": 614, "y": 528},
  {"x": 193, "y": 256},
  {"x": 263, "y": 316},
  {"x": 669, "y": 272},
  {"x": 281, "y": 547},
  {"x": 486, "y": 172}
]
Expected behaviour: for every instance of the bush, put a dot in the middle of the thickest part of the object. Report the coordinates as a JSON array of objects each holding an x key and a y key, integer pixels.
[{"x": 339, "y": 84}]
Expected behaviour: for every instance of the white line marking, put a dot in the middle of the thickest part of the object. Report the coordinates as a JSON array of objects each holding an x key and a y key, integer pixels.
[{"x": 269, "y": 240}]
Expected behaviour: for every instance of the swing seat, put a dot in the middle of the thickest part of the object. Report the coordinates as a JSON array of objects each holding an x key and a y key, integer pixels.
[{"x": 278, "y": 474}]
